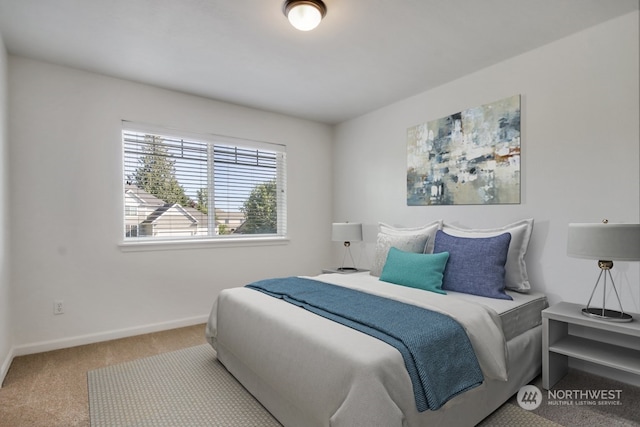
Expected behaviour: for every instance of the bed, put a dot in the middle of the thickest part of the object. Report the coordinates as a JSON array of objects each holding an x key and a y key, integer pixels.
[{"x": 310, "y": 371}]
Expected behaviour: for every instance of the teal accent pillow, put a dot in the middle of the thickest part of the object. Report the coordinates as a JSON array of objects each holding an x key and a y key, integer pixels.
[{"x": 421, "y": 271}]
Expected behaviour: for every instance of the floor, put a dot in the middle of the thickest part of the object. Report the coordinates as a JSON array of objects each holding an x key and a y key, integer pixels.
[{"x": 50, "y": 389}]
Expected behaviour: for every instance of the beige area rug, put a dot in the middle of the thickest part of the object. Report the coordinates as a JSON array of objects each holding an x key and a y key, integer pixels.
[
  {"x": 187, "y": 387},
  {"x": 190, "y": 387},
  {"x": 509, "y": 415}
]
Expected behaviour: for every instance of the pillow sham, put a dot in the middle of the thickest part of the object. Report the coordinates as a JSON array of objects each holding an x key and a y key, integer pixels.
[
  {"x": 421, "y": 271},
  {"x": 476, "y": 265},
  {"x": 516, "y": 277},
  {"x": 415, "y": 239}
]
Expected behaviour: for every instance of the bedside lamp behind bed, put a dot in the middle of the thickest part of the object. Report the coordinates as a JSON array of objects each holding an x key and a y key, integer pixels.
[{"x": 347, "y": 232}]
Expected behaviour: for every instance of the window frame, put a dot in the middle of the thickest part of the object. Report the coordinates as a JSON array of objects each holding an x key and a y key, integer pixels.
[{"x": 192, "y": 242}]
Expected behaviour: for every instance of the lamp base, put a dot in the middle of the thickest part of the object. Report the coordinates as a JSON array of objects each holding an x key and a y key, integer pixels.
[
  {"x": 347, "y": 269},
  {"x": 606, "y": 314}
]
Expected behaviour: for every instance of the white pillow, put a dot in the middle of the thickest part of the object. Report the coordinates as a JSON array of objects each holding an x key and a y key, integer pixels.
[
  {"x": 414, "y": 239},
  {"x": 516, "y": 278}
]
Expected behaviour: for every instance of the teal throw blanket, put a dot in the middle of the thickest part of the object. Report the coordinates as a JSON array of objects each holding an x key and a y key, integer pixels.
[{"x": 436, "y": 349}]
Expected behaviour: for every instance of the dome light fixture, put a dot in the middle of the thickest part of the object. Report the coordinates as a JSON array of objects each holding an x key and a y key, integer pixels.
[{"x": 305, "y": 15}]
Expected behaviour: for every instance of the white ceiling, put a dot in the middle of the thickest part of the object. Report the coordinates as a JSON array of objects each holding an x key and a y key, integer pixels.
[{"x": 364, "y": 55}]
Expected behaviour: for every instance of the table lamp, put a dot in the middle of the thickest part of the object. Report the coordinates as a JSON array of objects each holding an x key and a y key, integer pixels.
[
  {"x": 605, "y": 242},
  {"x": 347, "y": 232}
]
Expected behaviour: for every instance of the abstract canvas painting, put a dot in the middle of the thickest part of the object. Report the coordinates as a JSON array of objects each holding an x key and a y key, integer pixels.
[{"x": 468, "y": 158}]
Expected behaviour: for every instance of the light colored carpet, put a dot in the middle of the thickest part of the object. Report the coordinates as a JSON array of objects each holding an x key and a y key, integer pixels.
[
  {"x": 190, "y": 387},
  {"x": 187, "y": 387},
  {"x": 627, "y": 414},
  {"x": 50, "y": 389}
]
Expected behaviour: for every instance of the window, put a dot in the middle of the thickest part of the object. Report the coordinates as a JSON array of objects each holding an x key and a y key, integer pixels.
[
  {"x": 201, "y": 187},
  {"x": 131, "y": 230}
]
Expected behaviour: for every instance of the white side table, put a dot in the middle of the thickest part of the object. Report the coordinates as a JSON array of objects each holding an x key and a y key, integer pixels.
[
  {"x": 338, "y": 271},
  {"x": 558, "y": 345}
]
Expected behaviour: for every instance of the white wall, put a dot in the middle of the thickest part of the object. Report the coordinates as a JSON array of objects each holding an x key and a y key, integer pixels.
[
  {"x": 581, "y": 157},
  {"x": 66, "y": 208},
  {"x": 580, "y": 162},
  {"x": 5, "y": 291}
]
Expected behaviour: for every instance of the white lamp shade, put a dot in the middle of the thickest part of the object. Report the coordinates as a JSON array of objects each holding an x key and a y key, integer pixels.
[
  {"x": 346, "y": 232},
  {"x": 606, "y": 242}
]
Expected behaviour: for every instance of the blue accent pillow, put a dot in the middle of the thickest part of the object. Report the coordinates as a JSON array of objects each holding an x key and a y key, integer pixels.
[
  {"x": 476, "y": 264},
  {"x": 421, "y": 271}
]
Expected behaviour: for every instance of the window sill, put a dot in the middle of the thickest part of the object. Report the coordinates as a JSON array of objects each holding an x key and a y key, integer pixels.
[{"x": 164, "y": 245}]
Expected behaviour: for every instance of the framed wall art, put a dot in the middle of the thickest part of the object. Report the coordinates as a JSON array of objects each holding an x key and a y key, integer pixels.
[{"x": 467, "y": 158}]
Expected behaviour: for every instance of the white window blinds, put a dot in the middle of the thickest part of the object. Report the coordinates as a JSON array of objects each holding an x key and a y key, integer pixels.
[{"x": 201, "y": 186}]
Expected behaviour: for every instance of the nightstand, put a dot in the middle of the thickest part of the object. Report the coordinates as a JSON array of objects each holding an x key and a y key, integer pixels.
[
  {"x": 558, "y": 345},
  {"x": 337, "y": 271}
]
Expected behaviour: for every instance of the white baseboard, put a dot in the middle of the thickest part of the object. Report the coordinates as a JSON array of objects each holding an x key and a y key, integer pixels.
[
  {"x": 4, "y": 368},
  {"x": 43, "y": 346}
]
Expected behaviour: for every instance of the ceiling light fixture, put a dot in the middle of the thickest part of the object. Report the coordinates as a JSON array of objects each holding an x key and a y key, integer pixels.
[{"x": 305, "y": 15}]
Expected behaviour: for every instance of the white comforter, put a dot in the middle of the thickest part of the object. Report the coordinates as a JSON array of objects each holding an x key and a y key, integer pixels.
[{"x": 310, "y": 371}]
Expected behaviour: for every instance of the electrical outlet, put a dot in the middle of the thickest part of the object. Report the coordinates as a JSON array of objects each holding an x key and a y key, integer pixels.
[{"x": 58, "y": 306}]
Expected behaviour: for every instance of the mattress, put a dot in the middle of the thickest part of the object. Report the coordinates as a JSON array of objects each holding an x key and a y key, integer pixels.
[{"x": 517, "y": 316}]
